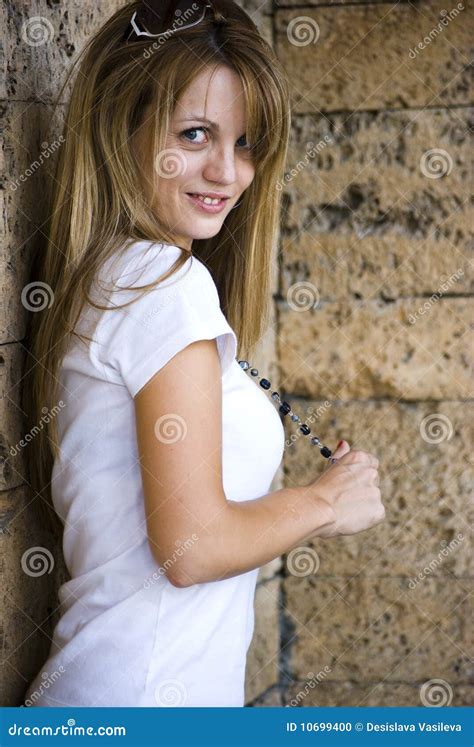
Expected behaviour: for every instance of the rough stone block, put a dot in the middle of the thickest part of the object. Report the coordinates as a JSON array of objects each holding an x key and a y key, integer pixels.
[
  {"x": 332, "y": 694},
  {"x": 271, "y": 699},
  {"x": 410, "y": 349},
  {"x": 32, "y": 143},
  {"x": 32, "y": 570},
  {"x": 335, "y": 267},
  {"x": 317, "y": 3},
  {"x": 374, "y": 630},
  {"x": 425, "y": 481},
  {"x": 262, "y": 661},
  {"x": 12, "y": 435},
  {"x": 378, "y": 203},
  {"x": 366, "y": 56},
  {"x": 41, "y": 41}
]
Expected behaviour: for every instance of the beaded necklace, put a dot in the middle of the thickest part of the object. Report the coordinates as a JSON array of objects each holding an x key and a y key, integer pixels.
[{"x": 285, "y": 409}]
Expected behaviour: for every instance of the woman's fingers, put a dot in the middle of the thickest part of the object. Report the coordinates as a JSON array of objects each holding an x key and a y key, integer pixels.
[{"x": 341, "y": 450}]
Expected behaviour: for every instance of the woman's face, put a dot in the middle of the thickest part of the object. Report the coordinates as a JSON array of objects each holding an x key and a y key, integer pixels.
[{"x": 204, "y": 158}]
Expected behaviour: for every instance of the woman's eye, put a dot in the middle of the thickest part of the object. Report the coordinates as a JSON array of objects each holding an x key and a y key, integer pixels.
[
  {"x": 187, "y": 134},
  {"x": 244, "y": 145},
  {"x": 193, "y": 129}
]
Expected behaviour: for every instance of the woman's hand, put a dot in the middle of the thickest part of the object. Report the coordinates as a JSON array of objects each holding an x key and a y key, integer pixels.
[{"x": 349, "y": 488}]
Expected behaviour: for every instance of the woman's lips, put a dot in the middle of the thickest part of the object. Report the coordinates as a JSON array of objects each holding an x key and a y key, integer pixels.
[{"x": 207, "y": 208}]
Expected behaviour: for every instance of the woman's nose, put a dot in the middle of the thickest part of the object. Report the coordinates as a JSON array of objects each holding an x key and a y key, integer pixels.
[{"x": 221, "y": 166}]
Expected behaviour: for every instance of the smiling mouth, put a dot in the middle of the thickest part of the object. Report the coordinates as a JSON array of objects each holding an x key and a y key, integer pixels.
[{"x": 208, "y": 200}]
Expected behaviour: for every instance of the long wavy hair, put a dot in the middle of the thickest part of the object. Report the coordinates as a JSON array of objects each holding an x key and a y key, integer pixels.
[{"x": 97, "y": 201}]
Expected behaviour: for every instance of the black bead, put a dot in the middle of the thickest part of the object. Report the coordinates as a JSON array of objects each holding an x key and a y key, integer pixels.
[
  {"x": 284, "y": 408},
  {"x": 305, "y": 429},
  {"x": 265, "y": 384},
  {"x": 326, "y": 452}
]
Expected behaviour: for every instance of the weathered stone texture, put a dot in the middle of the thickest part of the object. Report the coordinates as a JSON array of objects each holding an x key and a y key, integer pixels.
[
  {"x": 372, "y": 349},
  {"x": 42, "y": 41},
  {"x": 28, "y": 166},
  {"x": 378, "y": 203},
  {"x": 270, "y": 699},
  {"x": 262, "y": 664},
  {"x": 309, "y": 3},
  {"x": 426, "y": 486},
  {"x": 344, "y": 693},
  {"x": 32, "y": 570},
  {"x": 12, "y": 463},
  {"x": 376, "y": 629},
  {"x": 358, "y": 57},
  {"x": 385, "y": 267}
]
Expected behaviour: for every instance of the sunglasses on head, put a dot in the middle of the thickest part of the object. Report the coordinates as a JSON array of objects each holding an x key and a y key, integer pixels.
[{"x": 165, "y": 17}]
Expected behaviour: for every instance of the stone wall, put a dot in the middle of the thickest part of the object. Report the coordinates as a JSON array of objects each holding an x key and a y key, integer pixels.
[{"x": 374, "y": 309}]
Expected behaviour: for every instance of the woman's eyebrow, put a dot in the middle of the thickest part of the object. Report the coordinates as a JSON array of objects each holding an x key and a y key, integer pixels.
[{"x": 193, "y": 117}]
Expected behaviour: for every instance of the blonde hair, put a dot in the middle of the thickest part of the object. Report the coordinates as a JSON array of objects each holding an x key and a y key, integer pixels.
[{"x": 97, "y": 201}]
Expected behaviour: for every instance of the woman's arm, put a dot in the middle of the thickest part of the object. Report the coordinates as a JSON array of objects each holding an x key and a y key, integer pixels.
[{"x": 182, "y": 480}]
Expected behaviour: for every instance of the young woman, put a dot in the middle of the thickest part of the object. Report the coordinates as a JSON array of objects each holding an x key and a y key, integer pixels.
[{"x": 161, "y": 450}]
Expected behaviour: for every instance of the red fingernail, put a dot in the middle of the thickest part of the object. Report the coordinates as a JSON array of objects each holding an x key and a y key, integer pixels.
[{"x": 340, "y": 443}]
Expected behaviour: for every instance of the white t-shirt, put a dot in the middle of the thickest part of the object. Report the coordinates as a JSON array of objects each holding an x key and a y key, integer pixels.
[{"x": 127, "y": 636}]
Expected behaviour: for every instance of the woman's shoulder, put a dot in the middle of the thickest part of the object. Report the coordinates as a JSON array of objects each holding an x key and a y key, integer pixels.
[
  {"x": 141, "y": 262},
  {"x": 136, "y": 254}
]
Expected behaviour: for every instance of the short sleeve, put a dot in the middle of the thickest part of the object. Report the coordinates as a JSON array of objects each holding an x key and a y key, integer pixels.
[{"x": 138, "y": 340}]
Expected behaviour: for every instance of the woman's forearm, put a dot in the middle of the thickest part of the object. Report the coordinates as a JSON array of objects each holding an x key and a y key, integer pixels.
[{"x": 248, "y": 534}]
